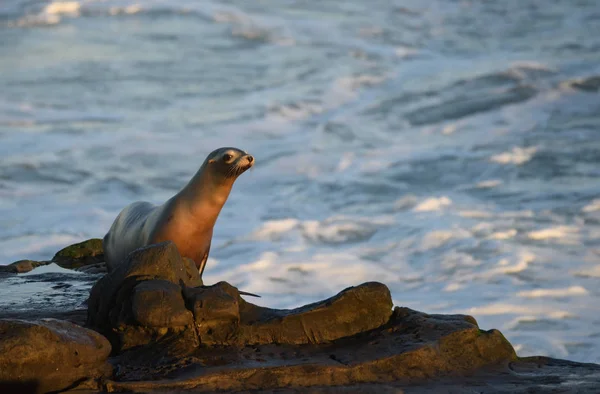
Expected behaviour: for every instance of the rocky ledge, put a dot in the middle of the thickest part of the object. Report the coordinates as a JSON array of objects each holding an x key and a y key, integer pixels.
[{"x": 151, "y": 325}]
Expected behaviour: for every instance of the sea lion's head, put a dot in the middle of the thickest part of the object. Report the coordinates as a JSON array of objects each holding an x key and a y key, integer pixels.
[{"x": 229, "y": 162}]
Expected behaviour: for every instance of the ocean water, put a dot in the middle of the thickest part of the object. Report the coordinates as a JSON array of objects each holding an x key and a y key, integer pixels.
[{"x": 449, "y": 149}]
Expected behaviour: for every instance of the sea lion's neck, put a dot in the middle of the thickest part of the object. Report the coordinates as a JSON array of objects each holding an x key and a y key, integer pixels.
[{"x": 206, "y": 193}]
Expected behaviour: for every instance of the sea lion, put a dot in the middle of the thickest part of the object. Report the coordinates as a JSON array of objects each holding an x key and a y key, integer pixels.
[{"x": 187, "y": 219}]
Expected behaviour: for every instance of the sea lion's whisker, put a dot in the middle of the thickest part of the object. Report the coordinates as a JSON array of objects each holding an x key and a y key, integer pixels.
[
  {"x": 236, "y": 170},
  {"x": 231, "y": 172}
]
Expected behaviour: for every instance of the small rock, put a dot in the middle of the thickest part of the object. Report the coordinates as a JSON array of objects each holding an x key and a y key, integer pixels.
[
  {"x": 93, "y": 269},
  {"x": 81, "y": 254},
  {"x": 49, "y": 355},
  {"x": 22, "y": 266},
  {"x": 590, "y": 84}
]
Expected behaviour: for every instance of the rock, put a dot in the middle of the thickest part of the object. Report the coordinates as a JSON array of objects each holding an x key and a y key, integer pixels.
[
  {"x": 354, "y": 310},
  {"x": 143, "y": 300},
  {"x": 589, "y": 84},
  {"x": 126, "y": 304},
  {"x": 153, "y": 369},
  {"x": 99, "y": 268},
  {"x": 223, "y": 317},
  {"x": 49, "y": 355},
  {"x": 80, "y": 254},
  {"x": 171, "y": 333},
  {"x": 158, "y": 303},
  {"x": 22, "y": 266},
  {"x": 539, "y": 375},
  {"x": 410, "y": 347},
  {"x": 78, "y": 257}
]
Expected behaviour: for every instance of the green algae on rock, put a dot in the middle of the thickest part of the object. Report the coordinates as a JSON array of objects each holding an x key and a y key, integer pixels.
[
  {"x": 22, "y": 266},
  {"x": 81, "y": 254}
]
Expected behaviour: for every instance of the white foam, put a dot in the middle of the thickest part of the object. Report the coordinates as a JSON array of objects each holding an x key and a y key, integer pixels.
[
  {"x": 451, "y": 287},
  {"x": 274, "y": 229},
  {"x": 531, "y": 65},
  {"x": 475, "y": 214},
  {"x": 36, "y": 20},
  {"x": 554, "y": 293},
  {"x": 435, "y": 239},
  {"x": 50, "y": 268},
  {"x": 372, "y": 165},
  {"x": 128, "y": 10},
  {"x": 405, "y": 52},
  {"x": 333, "y": 230},
  {"x": 501, "y": 235},
  {"x": 593, "y": 206},
  {"x": 250, "y": 32},
  {"x": 275, "y": 275},
  {"x": 293, "y": 112},
  {"x": 454, "y": 259},
  {"x": 504, "y": 266},
  {"x": 517, "y": 214},
  {"x": 341, "y": 230},
  {"x": 567, "y": 235},
  {"x": 558, "y": 314},
  {"x": 230, "y": 17},
  {"x": 345, "y": 161},
  {"x": 359, "y": 81},
  {"x": 345, "y": 89},
  {"x": 50, "y": 14},
  {"x": 482, "y": 228},
  {"x": 508, "y": 308},
  {"x": 449, "y": 129},
  {"x": 516, "y": 156},
  {"x": 433, "y": 204},
  {"x": 513, "y": 324},
  {"x": 488, "y": 184},
  {"x": 63, "y": 7},
  {"x": 593, "y": 272}
]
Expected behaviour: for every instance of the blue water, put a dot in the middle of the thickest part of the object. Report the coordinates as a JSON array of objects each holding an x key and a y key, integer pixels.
[{"x": 449, "y": 149}]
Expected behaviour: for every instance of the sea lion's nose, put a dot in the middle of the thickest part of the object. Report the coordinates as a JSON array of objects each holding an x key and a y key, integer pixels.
[{"x": 250, "y": 159}]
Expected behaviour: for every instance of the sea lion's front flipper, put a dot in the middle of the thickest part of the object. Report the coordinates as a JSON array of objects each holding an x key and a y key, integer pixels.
[{"x": 203, "y": 262}]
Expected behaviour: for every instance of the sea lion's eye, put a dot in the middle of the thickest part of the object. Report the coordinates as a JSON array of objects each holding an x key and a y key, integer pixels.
[{"x": 227, "y": 157}]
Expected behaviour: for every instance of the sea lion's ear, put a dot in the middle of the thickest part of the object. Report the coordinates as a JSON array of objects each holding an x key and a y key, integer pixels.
[{"x": 211, "y": 161}]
